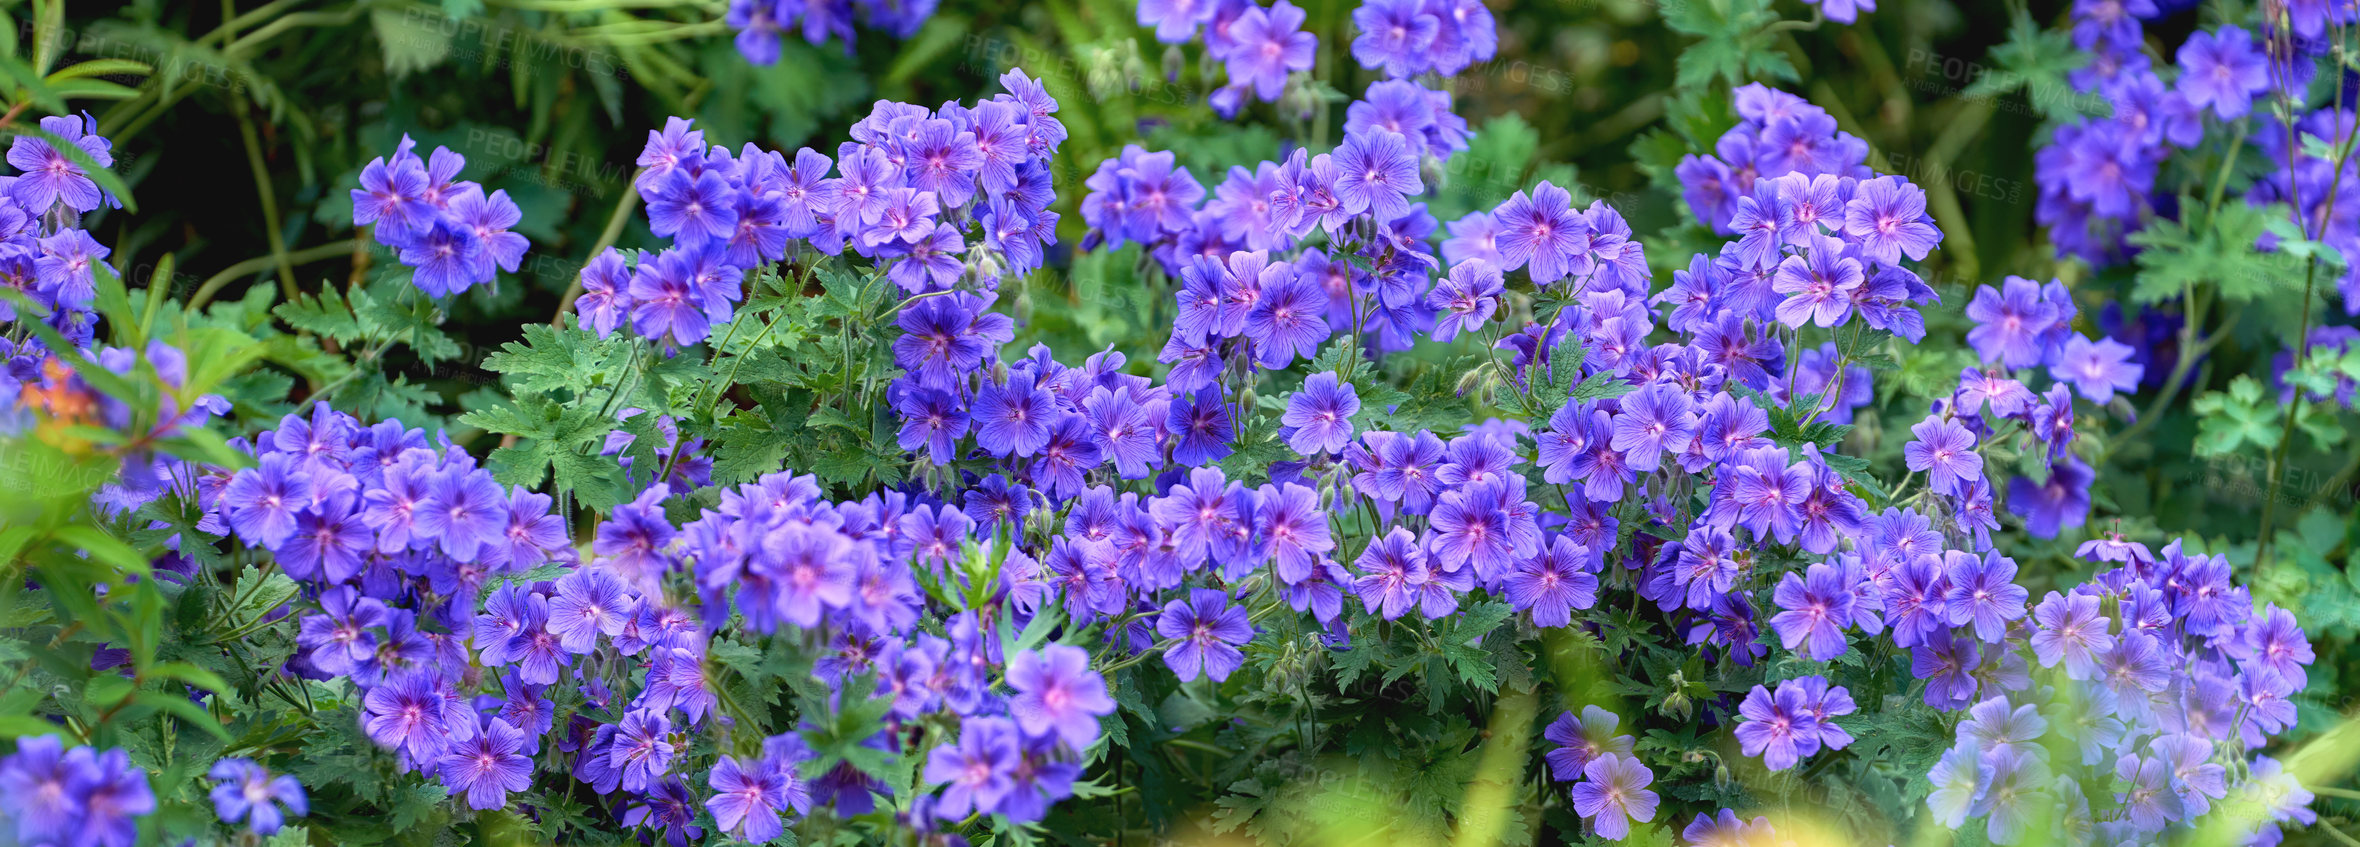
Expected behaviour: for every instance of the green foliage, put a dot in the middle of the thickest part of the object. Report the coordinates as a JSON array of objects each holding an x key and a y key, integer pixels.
[{"x": 1738, "y": 42}]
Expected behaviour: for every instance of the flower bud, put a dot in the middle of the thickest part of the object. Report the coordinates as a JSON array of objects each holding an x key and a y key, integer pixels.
[
  {"x": 1433, "y": 172},
  {"x": 1175, "y": 62}
]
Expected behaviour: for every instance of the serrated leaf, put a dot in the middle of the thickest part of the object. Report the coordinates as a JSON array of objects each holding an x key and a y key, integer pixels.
[{"x": 2220, "y": 253}]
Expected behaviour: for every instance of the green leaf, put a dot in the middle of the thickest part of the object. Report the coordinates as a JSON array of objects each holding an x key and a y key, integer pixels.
[
  {"x": 101, "y": 67},
  {"x": 2035, "y": 59},
  {"x": 180, "y": 707},
  {"x": 34, "y": 87},
  {"x": 2228, "y": 420},
  {"x": 256, "y": 595},
  {"x": 1736, "y": 43},
  {"x": 408, "y": 44},
  {"x": 552, "y": 359},
  {"x": 556, "y": 443},
  {"x": 105, "y": 548},
  {"x": 325, "y": 315},
  {"x": 2220, "y": 252}
]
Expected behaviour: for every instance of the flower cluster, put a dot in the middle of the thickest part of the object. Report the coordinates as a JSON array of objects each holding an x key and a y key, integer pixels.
[
  {"x": 761, "y": 23},
  {"x": 447, "y": 229},
  {"x": 53, "y": 795},
  {"x": 1680, "y": 457},
  {"x": 1259, "y": 48},
  {"x": 2184, "y": 674},
  {"x": 1406, "y": 38},
  {"x": 913, "y": 186},
  {"x": 1794, "y": 723},
  {"x": 45, "y": 256}
]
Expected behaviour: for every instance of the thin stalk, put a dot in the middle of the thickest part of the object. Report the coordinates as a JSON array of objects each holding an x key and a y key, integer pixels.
[
  {"x": 270, "y": 202},
  {"x": 213, "y": 284}
]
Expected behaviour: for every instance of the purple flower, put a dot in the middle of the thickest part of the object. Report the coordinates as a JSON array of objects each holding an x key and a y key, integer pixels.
[
  {"x": 1819, "y": 283},
  {"x": 328, "y": 542},
  {"x": 2009, "y": 325},
  {"x": 1845, "y": 11},
  {"x": 1555, "y": 583},
  {"x": 43, "y": 788},
  {"x": 2015, "y": 791},
  {"x": 1176, "y": 21},
  {"x": 1124, "y": 432},
  {"x": 1581, "y": 740},
  {"x": 1270, "y": 44},
  {"x": 1946, "y": 452},
  {"x": 1321, "y": 415},
  {"x": 488, "y": 766},
  {"x": 588, "y": 602},
  {"x": 1947, "y": 663},
  {"x": 49, "y": 177},
  {"x": 942, "y": 160},
  {"x": 1393, "y": 568},
  {"x": 1887, "y": 217},
  {"x": 406, "y": 713},
  {"x": 1291, "y": 522},
  {"x": 1957, "y": 779},
  {"x": 1983, "y": 592},
  {"x": 1377, "y": 172},
  {"x": 338, "y": 638},
  {"x": 392, "y": 196},
  {"x": 1205, "y": 633},
  {"x": 244, "y": 791},
  {"x": 531, "y": 532},
  {"x": 2220, "y": 70},
  {"x": 1656, "y": 418},
  {"x": 2069, "y": 629},
  {"x": 463, "y": 510},
  {"x": 1542, "y": 230},
  {"x": 1472, "y": 529},
  {"x": 748, "y": 797},
  {"x": 115, "y": 795},
  {"x": 1394, "y": 36},
  {"x": 1818, "y": 606},
  {"x": 1288, "y": 317},
  {"x": 2275, "y": 642},
  {"x": 2097, "y": 370},
  {"x": 2061, "y": 502},
  {"x": 633, "y": 538},
  {"x": 1057, "y": 694},
  {"x": 1614, "y": 794},
  {"x": 262, "y": 501},
  {"x": 1468, "y": 297},
  {"x": 642, "y": 748},
  {"x": 977, "y": 768},
  {"x": 1015, "y": 417},
  {"x": 533, "y": 647},
  {"x": 1781, "y": 728},
  {"x": 694, "y": 209},
  {"x": 1200, "y": 427}
]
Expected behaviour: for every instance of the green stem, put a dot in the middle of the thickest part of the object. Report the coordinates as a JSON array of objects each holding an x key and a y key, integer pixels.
[
  {"x": 243, "y": 269},
  {"x": 271, "y": 226}
]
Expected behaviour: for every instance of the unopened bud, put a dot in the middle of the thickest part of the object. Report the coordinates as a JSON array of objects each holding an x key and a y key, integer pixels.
[
  {"x": 1174, "y": 62},
  {"x": 1431, "y": 170},
  {"x": 1295, "y": 101}
]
